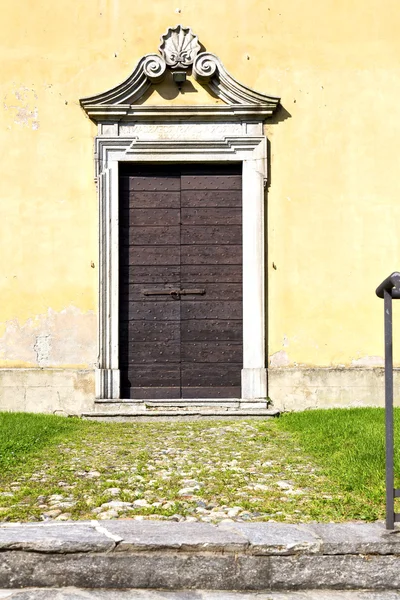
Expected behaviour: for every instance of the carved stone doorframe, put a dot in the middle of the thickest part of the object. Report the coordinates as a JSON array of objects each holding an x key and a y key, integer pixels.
[{"x": 182, "y": 134}]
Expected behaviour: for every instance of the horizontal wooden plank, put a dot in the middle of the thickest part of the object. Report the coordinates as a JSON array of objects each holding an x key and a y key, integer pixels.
[
  {"x": 211, "y": 392},
  {"x": 173, "y": 274},
  {"x": 150, "y": 236},
  {"x": 151, "y": 183},
  {"x": 204, "y": 374},
  {"x": 203, "y": 330},
  {"x": 212, "y": 234},
  {"x": 211, "y": 255},
  {"x": 150, "y": 255},
  {"x": 149, "y": 331},
  {"x": 214, "y": 291},
  {"x": 194, "y": 309},
  {"x": 170, "y": 235},
  {"x": 167, "y": 374},
  {"x": 209, "y": 198},
  {"x": 211, "y": 273},
  {"x": 151, "y": 393},
  {"x": 151, "y": 353},
  {"x": 150, "y": 311},
  {"x": 136, "y": 291},
  {"x": 211, "y": 182},
  {"x": 149, "y": 217},
  {"x": 212, "y": 352},
  {"x": 160, "y": 274},
  {"x": 211, "y": 216},
  {"x": 154, "y": 200}
]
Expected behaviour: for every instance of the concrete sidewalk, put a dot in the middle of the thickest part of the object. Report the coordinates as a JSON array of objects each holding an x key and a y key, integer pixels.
[{"x": 243, "y": 557}]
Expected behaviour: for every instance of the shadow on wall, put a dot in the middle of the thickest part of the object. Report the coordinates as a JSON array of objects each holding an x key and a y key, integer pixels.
[{"x": 280, "y": 115}]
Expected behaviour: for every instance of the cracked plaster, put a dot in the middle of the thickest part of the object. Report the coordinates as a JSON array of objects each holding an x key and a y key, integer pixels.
[
  {"x": 53, "y": 339},
  {"x": 23, "y": 105}
]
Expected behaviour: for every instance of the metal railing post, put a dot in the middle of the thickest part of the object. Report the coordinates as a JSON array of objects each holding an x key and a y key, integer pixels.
[
  {"x": 389, "y": 290},
  {"x": 387, "y": 303}
]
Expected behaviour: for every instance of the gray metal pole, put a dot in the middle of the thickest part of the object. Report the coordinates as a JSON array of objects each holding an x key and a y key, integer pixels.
[{"x": 389, "y": 410}]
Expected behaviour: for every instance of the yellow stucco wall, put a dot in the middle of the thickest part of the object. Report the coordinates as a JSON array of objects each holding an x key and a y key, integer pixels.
[{"x": 333, "y": 200}]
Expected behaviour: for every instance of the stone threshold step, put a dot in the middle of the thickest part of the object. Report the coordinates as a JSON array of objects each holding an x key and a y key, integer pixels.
[
  {"x": 174, "y": 401},
  {"x": 170, "y": 404},
  {"x": 244, "y": 557},
  {"x": 174, "y": 414},
  {"x": 138, "y": 594},
  {"x": 183, "y": 403}
]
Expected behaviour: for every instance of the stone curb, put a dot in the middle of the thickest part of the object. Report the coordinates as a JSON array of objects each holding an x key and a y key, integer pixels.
[
  {"x": 85, "y": 594},
  {"x": 228, "y": 556}
]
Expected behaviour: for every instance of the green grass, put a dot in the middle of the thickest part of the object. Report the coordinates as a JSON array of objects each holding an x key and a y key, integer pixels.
[
  {"x": 332, "y": 460},
  {"x": 22, "y": 434},
  {"x": 349, "y": 446}
]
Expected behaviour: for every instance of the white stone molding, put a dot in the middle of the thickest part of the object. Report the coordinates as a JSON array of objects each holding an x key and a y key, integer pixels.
[
  {"x": 251, "y": 151},
  {"x": 129, "y": 132},
  {"x": 150, "y": 69},
  {"x": 208, "y": 69},
  {"x": 179, "y": 48},
  {"x": 107, "y": 377}
]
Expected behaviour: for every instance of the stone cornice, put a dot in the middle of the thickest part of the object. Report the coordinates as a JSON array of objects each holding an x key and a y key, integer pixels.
[
  {"x": 128, "y": 112},
  {"x": 120, "y": 103}
]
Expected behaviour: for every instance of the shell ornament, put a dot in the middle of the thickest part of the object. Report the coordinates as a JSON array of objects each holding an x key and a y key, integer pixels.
[{"x": 179, "y": 47}]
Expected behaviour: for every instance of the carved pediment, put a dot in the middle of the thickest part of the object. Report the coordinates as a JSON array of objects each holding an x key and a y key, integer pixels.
[{"x": 180, "y": 51}]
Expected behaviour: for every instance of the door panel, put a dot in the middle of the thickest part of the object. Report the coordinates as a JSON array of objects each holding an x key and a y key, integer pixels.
[
  {"x": 141, "y": 292},
  {"x": 158, "y": 200},
  {"x": 152, "y": 183},
  {"x": 213, "y": 291},
  {"x": 215, "y": 391},
  {"x": 211, "y": 329},
  {"x": 212, "y": 273},
  {"x": 149, "y": 257},
  {"x": 149, "y": 331},
  {"x": 211, "y": 198},
  {"x": 210, "y": 255},
  {"x": 180, "y": 229},
  {"x": 161, "y": 310},
  {"x": 154, "y": 393},
  {"x": 211, "y": 216},
  {"x": 146, "y": 236},
  {"x": 164, "y": 274},
  {"x": 216, "y": 234},
  {"x": 197, "y": 309},
  {"x": 211, "y": 182},
  {"x": 194, "y": 375},
  {"x": 165, "y": 374},
  {"x": 149, "y": 216},
  {"x": 153, "y": 352},
  {"x": 211, "y": 352}
]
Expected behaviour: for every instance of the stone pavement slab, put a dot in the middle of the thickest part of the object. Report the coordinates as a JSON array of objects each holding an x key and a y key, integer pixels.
[
  {"x": 355, "y": 538},
  {"x": 156, "y": 535},
  {"x": 55, "y": 537},
  {"x": 243, "y": 557},
  {"x": 275, "y": 538},
  {"x": 76, "y": 594}
]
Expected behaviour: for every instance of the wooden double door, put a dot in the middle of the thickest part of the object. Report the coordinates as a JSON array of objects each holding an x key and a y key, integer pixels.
[{"x": 180, "y": 281}]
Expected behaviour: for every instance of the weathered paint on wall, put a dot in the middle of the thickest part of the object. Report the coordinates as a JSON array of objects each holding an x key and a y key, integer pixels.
[
  {"x": 332, "y": 200},
  {"x": 52, "y": 339}
]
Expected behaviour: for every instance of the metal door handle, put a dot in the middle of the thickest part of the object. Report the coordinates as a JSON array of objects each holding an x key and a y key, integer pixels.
[
  {"x": 187, "y": 292},
  {"x": 161, "y": 292},
  {"x": 174, "y": 293}
]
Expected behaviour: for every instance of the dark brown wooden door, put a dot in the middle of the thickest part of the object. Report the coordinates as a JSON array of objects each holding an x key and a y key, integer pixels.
[{"x": 180, "y": 282}]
